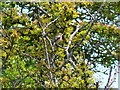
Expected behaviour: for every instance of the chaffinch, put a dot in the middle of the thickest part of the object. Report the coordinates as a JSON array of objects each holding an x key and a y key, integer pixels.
[{"x": 58, "y": 38}]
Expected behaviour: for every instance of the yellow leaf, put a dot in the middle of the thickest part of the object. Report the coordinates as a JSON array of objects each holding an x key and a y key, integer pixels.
[
  {"x": 75, "y": 16},
  {"x": 4, "y": 54},
  {"x": 65, "y": 78}
]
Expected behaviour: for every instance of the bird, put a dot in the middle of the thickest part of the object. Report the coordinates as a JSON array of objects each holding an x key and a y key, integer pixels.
[{"x": 57, "y": 38}]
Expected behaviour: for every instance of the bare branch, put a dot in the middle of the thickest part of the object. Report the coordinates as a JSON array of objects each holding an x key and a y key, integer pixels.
[
  {"x": 113, "y": 79},
  {"x": 72, "y": 35},
  {"x": 60, "y": 46},
  {"x": 27, "y": 55},
  {"x": 89, "y": 13},
  {"x": 88, "y": 28},
  {"x": 18, "y": 82},
  {"x": 72, "y": 62},
  {"x": 44, "y": 34},
  {"x": 46, "y": 13},
  {"x": 108, "y": 79},
  {"x": 45, "y": 44},
  {"x": 46, "y": 52},
  {"x": 83, "y": 37}
]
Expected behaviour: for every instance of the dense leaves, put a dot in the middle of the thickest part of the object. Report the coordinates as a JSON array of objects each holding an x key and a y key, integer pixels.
[{"x": 29, "y": 57}]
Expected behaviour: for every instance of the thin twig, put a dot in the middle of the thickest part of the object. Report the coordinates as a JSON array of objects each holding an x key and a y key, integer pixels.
[
  {"x": 73, "y": 63},
  {"x": 49, "y": 25},
  {"x": 72, "y": 35},
  {"x": 95, "y": 19},
  {"x": 60, "y": 46},
  {"x": 26, "y": 55},
  {"x": 52, "y": 54},
  {"x": 46, "y": 52},
  {"x": 108, "y": 79},
  {"x": 89, "y": 13},
  {"x": 46, "y": 13},
  {"x": 20, "y": 81},
  {"x": 79, "y": 43},
  {"x": 113, "y": 79}
]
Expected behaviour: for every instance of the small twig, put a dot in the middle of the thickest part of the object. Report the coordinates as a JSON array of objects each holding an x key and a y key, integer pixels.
[
  {"x": 108, "y": 79},
  {"x": 89, "y": 13},
  {"x": 6, "y": 13},
  {"x": 72, "y": 35},
  {"x": 83, "y": 37},
  {"x": 45, "y": 45},
  {"x": 113, "y": 79},
  {"x": 46, "y": 52},
  {"x": 40, "y": 8},
  {"x": 52, "y": 50},
  {"x": 60, "y": 46},
  {"x": 27, "y": 55},
  {"x": 20, "y": 81},
  {"x": 48, "y": 25},
  {"x": 72, "y": 62},
  {"x": 70, "y": 41}
]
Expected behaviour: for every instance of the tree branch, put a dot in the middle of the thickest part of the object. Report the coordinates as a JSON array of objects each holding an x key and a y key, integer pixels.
[
  {"x": 83, "y": 37},
  {"x": 89, "y": 13},
  {"x": 20, "y": 81},
  {"x": 27, "y": 55},
  {"x": 46, "y": 13},
  {"x": 95, "y": 19},
  {"x": 113, "y": 79},
  {"x": 73, "y": 34},
  {"x": 44, "y": 34},
  {"x": 108, "y": 79}
]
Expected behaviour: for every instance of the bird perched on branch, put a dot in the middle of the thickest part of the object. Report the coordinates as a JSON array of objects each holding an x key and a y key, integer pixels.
[{"x": 58, "y": 38}]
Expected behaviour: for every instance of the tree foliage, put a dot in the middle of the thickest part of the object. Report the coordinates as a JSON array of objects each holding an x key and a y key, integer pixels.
[{"x": 90, "y": 33}]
